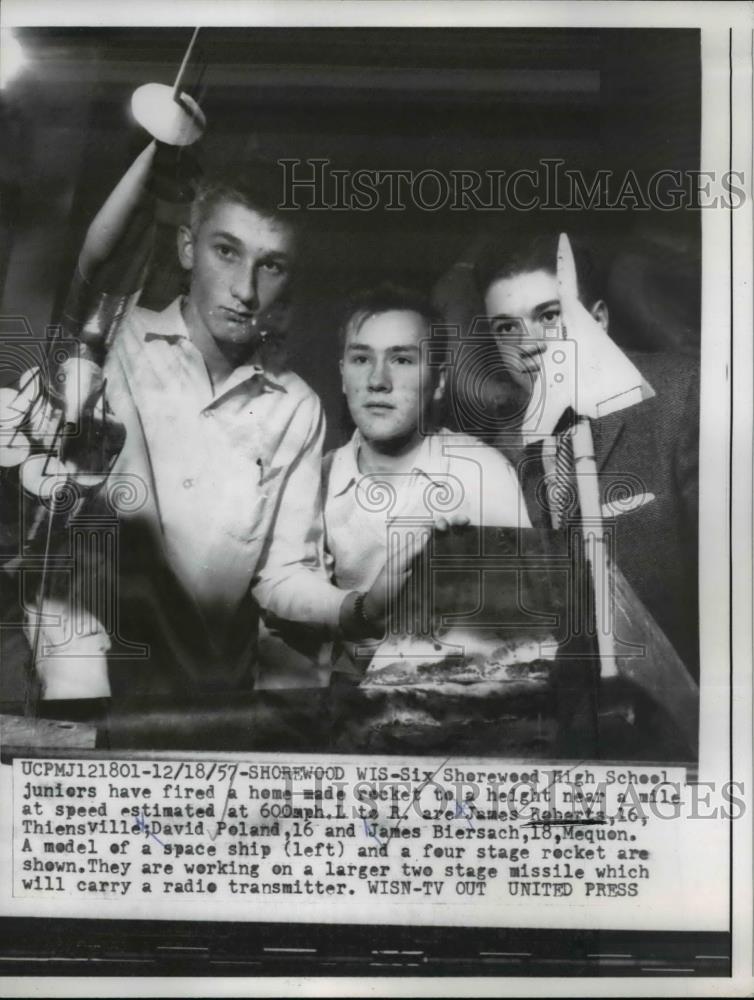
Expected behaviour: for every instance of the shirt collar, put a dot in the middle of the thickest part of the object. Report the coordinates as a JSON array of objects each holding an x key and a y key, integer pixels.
[
  {"x": 169, "y": 325},
  {"x": 345, "y": 468},
  {"x": 430, "y": 457},
  {"x": 345, "y": 471}
]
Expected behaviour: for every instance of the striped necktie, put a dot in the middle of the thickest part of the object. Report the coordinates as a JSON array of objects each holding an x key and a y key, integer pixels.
[{"x": 563, "y": 493}]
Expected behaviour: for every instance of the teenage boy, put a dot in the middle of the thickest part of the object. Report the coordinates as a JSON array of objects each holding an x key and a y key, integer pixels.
[
  {"x": 223, "y": 452},
  {"x": 399, "y": 449},
  {"x": 646, "y": 455}
]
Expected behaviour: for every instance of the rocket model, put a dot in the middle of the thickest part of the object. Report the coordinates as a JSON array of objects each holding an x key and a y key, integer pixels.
[
  {"x": 53, "y": 422},
  {"x": 114, "y": 259},
  {"x": 56, "y": 429}
]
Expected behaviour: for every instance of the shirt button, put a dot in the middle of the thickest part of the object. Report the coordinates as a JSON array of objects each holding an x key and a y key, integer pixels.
[
  {"x": 208, "y": 413},
  {"x": 188, "y": 483}
]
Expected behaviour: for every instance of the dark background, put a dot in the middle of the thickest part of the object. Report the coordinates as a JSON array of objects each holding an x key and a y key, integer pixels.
[{"x": 449, "y": 99}]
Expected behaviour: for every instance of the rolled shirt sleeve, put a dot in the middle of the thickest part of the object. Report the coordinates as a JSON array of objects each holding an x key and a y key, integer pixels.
[
  {"x": 502, "y": 501},
  {"x": 492, "y": 493}
]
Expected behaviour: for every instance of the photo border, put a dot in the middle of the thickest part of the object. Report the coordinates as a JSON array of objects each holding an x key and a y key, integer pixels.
[{"x": 723, "y": 147}]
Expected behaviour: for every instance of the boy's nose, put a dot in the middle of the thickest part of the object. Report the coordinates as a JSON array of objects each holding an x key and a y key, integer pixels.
[
  {"x": 379, "y": 377},
  {"x": 244, "y": 288}
]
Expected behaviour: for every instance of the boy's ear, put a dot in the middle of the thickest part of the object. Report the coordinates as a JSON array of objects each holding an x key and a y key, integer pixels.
[
  {"x": 600, "y": 313},
  {"x": 185, "y": 240},
  {"x": 342, "y": 386}
]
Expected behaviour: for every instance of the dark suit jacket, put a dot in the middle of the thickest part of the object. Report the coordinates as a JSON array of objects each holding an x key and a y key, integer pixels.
[{"x": 652, "y": 448}]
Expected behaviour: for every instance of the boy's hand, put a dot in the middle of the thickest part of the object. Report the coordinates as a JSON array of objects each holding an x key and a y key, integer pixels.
[{"x": 391, "y": 580}]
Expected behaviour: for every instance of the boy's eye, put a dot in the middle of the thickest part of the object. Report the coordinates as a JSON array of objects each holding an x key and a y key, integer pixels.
[
  {"x": 550, "y": 317},
  {"x": 358, "y": 359},
  {"x": 273, "y": 267},
  {"x": 224, "y": 251},
  {"x": 506, "y": 327},
  {"x": 403, "y": 359}
]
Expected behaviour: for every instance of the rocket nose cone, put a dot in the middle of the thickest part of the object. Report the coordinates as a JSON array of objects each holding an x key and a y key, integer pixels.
[{"x": 175, "y": 120}]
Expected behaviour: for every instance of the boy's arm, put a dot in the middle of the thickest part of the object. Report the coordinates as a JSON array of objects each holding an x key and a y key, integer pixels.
[{"x": 291, "y": 582}]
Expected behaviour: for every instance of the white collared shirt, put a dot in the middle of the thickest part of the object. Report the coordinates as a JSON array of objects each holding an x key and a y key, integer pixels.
[
  {"x": 453, "y": 473},
  {"x": 234, "y": 472},
  {"x": 224, "y": 488}
]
